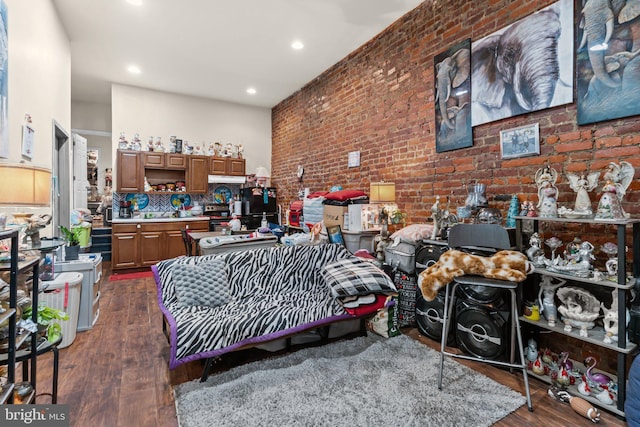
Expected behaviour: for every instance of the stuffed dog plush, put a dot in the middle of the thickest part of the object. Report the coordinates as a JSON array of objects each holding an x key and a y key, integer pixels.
[{"x": 504, "y": 265}]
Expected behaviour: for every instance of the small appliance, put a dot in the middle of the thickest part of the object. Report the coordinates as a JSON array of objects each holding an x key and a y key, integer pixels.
[{"x": 125, "y": 209}]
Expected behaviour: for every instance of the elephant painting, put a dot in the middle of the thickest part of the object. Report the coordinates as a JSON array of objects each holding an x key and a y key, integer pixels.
[
  {"x": 525, "y": 67},
  {"x": 608, "y": 59},
  {"x": 452, "y": 97}
]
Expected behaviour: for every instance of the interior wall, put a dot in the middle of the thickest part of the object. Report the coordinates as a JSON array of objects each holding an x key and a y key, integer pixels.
[
  {"x": 39, "y": 82},
  {"x": 91, "y": 116},
  {"x": 380, "y": 101},
  {"x": 197, "y": 120}
]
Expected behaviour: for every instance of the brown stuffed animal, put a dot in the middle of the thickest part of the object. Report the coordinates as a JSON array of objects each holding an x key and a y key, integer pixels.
[{"x": 504, "y": 265}]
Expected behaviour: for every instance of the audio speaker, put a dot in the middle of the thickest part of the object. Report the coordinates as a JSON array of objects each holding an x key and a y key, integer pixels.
[
  {"x": 482, "y": 330},
  {"x": 429, "y": 317}
]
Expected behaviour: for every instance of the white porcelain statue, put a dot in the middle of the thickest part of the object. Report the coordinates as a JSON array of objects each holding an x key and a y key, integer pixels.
[
  {"x": 546, "y": 298},
  {"x": 546, "y": 179},
  {"x": 610, "y": 319},
  {"x": 579, "y": 309},
  {"x": 582, "y": 185},
  {"x": 617, "y": 179}
]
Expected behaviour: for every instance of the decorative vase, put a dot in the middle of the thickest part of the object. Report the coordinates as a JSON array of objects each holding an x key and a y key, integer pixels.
[{"x": 71, "y": 252}]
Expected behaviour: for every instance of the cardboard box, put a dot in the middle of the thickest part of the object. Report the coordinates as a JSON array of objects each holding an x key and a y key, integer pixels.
[{"x": 334, "y": 215}]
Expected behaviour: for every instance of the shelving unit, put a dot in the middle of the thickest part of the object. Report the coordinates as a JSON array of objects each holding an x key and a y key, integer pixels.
[
  {"x": 622, "y": 285},
  {"x": 10, "y": 358}
]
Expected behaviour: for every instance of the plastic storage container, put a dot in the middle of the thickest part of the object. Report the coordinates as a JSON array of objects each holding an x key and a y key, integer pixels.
[{"x": 63, "y": 293}]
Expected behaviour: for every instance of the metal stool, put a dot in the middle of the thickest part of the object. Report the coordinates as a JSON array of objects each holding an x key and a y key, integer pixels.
[{"x": 483, "y": 237}]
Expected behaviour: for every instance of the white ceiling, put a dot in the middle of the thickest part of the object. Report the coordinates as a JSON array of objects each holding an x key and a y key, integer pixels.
[{"x": 216, "y": 48}]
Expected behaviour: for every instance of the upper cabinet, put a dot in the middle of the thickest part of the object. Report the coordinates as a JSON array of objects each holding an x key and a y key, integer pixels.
[
  {"x": 129, "y": 175},
  {"x": 197, "y": 172},
  {"x": 227, "y": 166}
]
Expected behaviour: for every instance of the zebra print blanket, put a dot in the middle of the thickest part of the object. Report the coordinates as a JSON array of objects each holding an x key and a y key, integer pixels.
[{"x": 274, "y": 292}]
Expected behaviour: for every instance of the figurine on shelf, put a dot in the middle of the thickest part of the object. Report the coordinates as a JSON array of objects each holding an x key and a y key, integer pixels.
[
  {"x": 546, "y": 179},
  {"x": 172, "y": 144},
  {"x": 617, "y": 179},
  {"x": 197, "y": 150},
  {"x": 579, "y": 308},
  {"x": 150, "y": 146},
  {"x": 136, "y": 143},
  {"x": 582, "y": 185},
  {"x": 123, "y": 144},
  {"x": 147, "y": 187},
  {"x": 535, "y": 252},
  {"x": 108, "y": 177},
  {"x": 218, "y": 149},
  {"x": 240, "y": 151},
  {"x": 187, "y": 148},
  {"x": 531, "y": 352},
  {"x": 211, "y": 150},
  {"x": 512, "y": 212},
  {"x": 158, "y": 147},
  {"x": 610, "y": 319},
  {"x": 546, "y": 299},
  {"x": 436, "y": 215},
  {"x": 228, "y": 150}
]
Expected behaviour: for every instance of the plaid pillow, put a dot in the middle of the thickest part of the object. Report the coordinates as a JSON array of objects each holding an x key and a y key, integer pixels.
[{"x": 353, "y": 276}]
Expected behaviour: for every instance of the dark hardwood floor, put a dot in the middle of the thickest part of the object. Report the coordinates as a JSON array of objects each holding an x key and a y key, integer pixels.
[{"x": 116, "y": 374}]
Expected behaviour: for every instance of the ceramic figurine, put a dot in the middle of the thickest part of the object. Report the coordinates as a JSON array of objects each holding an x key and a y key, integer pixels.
[
  {"x": 436, "y": 215},
  {"x": 512, "y": 212},
  {"x": 150, "y": 145},
  {"x": 158, "y": 146},
  {"x": 582, "y": 185},
  {"x": 611, "y": 249},
  {"x": 533, "y": 314},
  {"x": 546, "y": 179},
  {"x": 228, "y": 150},
  {"x": 123, "y": 144},
  {"x": 583, "y": 387},
  {"x": 531, "y": 352},
  {"x": 240, "y": 151},
  {"x": 211, "y": 150},
  {"x": 554, "y": 243},
  {"x": 605, "y": 396},
  {"x": 564, "y": 361},
  {"x": 535, "y": 252},
  {"x": 187, "y": 148},
  {"x": 538, "y": 367},
  {"x": 136, "y": 143},
  {"x": 147, "y": 187},
  {"x": 610, "y": 319},
  {"x": 546, "y": 298},
  {"x": 563, "y": 380},
  {"x": 197, "y": 150},
  {"x": 576, "y": 264},
  {"x": 218, "y": 149},
  {"x": 617, "y": 179},
  {"x": 579, "y": 308},
  {"x": 595, "y": 377}
]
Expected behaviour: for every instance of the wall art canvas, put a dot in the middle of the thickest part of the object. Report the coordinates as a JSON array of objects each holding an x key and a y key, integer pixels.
[
  {"x": 4, "y": 82},
  {"x": 607, "y": 59},
  {"x": 452, "y": 69},
  {"x": 520, "y": 142},
  {"x": 525, "y": 67}
]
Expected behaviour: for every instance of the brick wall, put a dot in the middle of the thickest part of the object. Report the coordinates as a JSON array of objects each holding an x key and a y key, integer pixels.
[{"x": 380, "y": 100}]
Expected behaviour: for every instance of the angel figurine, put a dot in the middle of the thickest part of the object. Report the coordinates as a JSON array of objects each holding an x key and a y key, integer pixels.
[
  {"x": 582, "y": 185},
  {"x": 617, "y": 179},
  {"x": 546, "y": 179}
]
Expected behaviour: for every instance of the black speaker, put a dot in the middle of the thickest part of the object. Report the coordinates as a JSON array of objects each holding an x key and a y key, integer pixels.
[
  {"x": 428, "y": 254},
  {"x": 429, "y": 317},
  {"x": 482, "y": 330}
]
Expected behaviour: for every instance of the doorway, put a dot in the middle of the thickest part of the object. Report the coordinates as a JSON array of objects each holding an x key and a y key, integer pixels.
[{"x": 61, "y": 190}]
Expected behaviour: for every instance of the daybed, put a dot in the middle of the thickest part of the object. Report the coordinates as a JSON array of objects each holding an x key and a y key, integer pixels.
[{"x": 215, "y": 304}]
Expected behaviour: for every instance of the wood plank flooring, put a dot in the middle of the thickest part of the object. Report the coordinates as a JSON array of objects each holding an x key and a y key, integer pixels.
[{"x": 116, "y": 374}]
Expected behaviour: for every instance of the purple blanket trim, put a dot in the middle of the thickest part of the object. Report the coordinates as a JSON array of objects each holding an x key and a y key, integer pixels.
[{"x": 173, "y": 328}]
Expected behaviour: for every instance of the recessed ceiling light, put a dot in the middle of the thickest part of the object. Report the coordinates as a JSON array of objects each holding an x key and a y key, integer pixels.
[
  {"x": 134, "y": 69},
  {"x": 251, "y": 91},
  {"x": 135, "y": 2},
  {"x": 297, "y": 45}
]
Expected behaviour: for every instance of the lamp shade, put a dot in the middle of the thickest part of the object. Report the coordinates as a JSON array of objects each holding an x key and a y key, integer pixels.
[
  {"x": 30, "y": 186},
  {"x": 262, "y": 172},
  {"x": 382, "y": 192}
]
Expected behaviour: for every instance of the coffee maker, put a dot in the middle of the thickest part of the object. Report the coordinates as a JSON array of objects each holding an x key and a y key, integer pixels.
[{"x": 125, "y": 209}]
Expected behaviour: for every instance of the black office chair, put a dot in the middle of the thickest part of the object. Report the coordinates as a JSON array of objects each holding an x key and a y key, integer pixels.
[
  {"x": 486, "y": 239},
  {"x": 188, "y": 242}
]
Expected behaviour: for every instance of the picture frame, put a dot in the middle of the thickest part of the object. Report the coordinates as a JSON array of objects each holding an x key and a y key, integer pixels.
[
  {"x": 334, "y": 232},
  {"x": 522, "y": 141},
  {"x": 28, "y": 141}
]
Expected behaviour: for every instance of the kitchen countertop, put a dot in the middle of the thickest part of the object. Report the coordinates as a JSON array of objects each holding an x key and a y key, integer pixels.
[{"x": 158, "y": 219}]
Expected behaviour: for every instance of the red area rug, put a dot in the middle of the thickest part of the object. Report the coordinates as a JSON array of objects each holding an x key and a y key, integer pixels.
[{"x": 129, "y": 276}]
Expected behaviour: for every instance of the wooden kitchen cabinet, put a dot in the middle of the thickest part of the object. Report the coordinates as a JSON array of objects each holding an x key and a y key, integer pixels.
[
  {"x": 175, "y": 161},
  {"x": 227, "y": 166},
  {"x": 129, "y": 174},
  {"x": 197, "y": 172},
  {"x": 146, "y": 243},
  {"x": 153, "y": 159}
]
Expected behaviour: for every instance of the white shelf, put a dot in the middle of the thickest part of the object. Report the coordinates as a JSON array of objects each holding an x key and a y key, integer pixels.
[
  {"x": 607, "y": 283},
  {"x": 596, "y": 335}
]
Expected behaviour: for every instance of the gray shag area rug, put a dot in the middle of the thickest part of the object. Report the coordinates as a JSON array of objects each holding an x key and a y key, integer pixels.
[{"x": 367, "y": 381}]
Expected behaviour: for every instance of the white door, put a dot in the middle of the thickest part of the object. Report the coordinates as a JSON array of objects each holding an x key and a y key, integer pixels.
[{"x": 80, "y": 182}]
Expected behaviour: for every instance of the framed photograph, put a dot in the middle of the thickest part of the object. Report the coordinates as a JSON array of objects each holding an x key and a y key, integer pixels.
[
  {"x": 28, "y": 135},
  {"x": 520, "y": 142},
  {"x": 335, "y": 234}
]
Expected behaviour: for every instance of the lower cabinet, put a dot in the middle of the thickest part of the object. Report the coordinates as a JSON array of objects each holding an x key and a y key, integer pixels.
[{"x": 145, "y": 243}]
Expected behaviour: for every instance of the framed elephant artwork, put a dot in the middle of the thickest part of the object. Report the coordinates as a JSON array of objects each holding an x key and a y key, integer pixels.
[
  {"x": 452, "y": 90},
  {"x": 607, "y": 59},
  {"x": 524, "y": 67}
]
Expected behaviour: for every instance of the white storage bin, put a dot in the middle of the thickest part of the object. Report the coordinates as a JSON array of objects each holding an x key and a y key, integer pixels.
[{"x": 63, "y": 293}]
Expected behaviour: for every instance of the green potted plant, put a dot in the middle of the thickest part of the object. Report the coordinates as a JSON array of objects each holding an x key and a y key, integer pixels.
[
  {"x": 47, "y": 317},
  {"x": 72, "y": 249}
]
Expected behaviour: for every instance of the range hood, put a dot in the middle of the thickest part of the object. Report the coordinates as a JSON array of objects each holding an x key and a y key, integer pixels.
[{"x": 227, "y": 179}]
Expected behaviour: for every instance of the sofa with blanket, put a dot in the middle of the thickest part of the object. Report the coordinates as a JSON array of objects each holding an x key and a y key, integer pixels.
[{"x": 215, "y": 304}]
